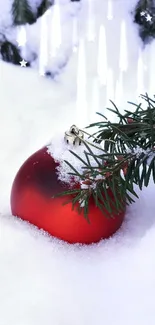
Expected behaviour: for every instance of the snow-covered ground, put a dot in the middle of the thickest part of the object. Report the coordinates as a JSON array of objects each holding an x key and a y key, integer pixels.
[{"x": 42, "y": 280}]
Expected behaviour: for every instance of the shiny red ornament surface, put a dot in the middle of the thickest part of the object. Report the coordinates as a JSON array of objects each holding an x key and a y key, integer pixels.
[{"x": 31, "y": 200}]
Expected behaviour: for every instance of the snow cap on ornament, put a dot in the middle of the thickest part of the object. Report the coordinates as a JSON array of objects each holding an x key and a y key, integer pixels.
[{"x": 68, "y": 150}]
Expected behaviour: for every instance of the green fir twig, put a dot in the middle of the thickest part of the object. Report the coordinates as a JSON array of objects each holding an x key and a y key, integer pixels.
[{"x": 127, "y": 159}]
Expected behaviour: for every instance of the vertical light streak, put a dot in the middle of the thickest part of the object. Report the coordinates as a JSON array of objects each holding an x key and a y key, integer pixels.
[
  {"x": 110, "y": 91},
  {"x": 91, "y": 22},
  {"x": 43, "y": 54},
  {"x": 102, "y": 57},
  {"x": 56, "y": 33},
  {"x": 75, "y": 38},
  {"x": 81, "y": 101},
  {"x": 95, "y": 101},
  {"x": 21, "y": 36},
  {"x": 140, "y": 75},
  {"x": 123, "y": 60},
  {"x": 119, "y": 90},
  {"x": 110, "y": 10}
]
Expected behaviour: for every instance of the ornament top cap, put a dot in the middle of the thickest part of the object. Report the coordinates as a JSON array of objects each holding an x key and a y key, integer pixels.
[{"x": 74, "y": 135}]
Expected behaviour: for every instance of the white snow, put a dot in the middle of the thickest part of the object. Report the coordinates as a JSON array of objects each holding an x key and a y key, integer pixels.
[
  {"x": 59, "y": 150},
  {"x": 42, "y": 280},
  {"x": 59, "y": 19}
]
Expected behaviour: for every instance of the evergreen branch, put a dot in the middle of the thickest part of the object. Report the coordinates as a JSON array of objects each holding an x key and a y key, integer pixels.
[
  {"x": 148, "y": 173},
  {"x": 102, "y": 116},
  {"x": 10, "y": 53},
  {"x": 87, "y": 158},
  {"x": 92, "y": 154},
  {"x": 22, "y": 12},
  {"x": 77, "y": 156},
  {"x": 76, "y": 172},
  {"x": 66, "y": 193},
  {"x": 44, "y": 6},
  {"x": 140, "y": 180},
  {"x": 153, "y": 170},
  {"x": 123, "y": 162},
  {"x": 106, "y": 201},
  {"x": 146, "y": 98},
  {"x": 137, "y": 110}
]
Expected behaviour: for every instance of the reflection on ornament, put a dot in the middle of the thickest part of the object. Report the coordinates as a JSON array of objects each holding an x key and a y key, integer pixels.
[
  {"x": 110, "y": 10},
  {"x": 123, "y": 60},
  {"x": 81, "y": 102},
  {"x": 102, "y": 57}
]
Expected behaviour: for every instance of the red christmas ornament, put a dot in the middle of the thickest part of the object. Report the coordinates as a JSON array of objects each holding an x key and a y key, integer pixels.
[{"x": 32, "y": 200}]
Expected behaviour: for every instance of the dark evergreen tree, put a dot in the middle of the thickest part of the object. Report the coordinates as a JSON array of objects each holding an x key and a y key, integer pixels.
[
  {"x": 22, "y": 12},
  {"x": 144, "y": 16}
]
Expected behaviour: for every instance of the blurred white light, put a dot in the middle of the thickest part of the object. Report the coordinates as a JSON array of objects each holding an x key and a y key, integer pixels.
[
  {"x": 91, "y": 22},
  {"x": 43, "y": 54},
  {"x": 81, "y": 102},
  {"x": 56, "y": 34},
  {"x": 110, "y": 10},
  {"x": 110, "y": 91},
  {"x": 151, "y": 70},
  {"x": 102, "y": 57},
  {"x": 140, "y": 75},
  {"x": 75, "y": 38},
  {"x": 21, "y": 36},
  {"x": 95, "y": 101},
  {"x": 119, "y": 90},
  {"x": 123, "y": 60}
]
